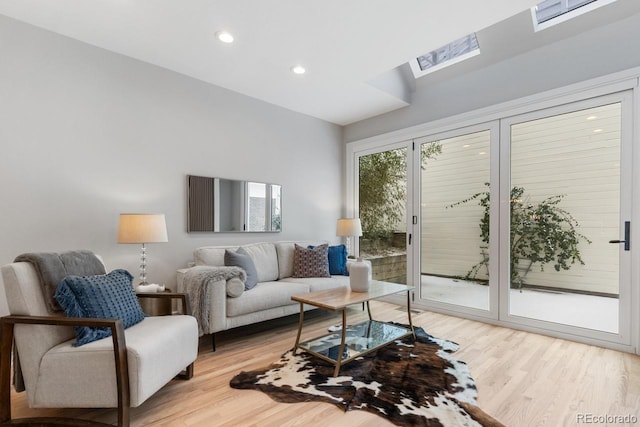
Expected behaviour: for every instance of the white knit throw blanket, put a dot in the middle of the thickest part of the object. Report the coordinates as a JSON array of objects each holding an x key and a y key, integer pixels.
[{"x": 197, "y": 283}]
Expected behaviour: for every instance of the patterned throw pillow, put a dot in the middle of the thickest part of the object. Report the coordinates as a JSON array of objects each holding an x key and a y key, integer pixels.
[
  {"x": 311, "y": 262},
  {"x": 337, "y": 260},
  {"x": 109, "y": 296}
]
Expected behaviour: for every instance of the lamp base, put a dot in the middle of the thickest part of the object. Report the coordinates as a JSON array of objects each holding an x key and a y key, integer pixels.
[{"x": 143, "y": 266}]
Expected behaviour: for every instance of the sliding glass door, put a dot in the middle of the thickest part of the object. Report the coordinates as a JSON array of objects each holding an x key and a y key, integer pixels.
[
  {"x": 511, "y": 220},
  {"x": 382, "y": 207},
  {"x": 567, "y": 176},
  {"x": 454, "y": 219}
]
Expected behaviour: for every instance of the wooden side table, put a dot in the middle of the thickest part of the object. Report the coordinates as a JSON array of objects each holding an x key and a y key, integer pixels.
[{"x": 156, "y": 306}]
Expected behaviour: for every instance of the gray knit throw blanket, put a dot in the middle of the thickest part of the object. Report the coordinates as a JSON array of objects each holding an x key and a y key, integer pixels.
[
  {"x": 53, "y": 267},
  {"x": 197, "y": 283}
]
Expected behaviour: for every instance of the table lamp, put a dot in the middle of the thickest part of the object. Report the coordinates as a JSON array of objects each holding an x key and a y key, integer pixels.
[
  {"x": 349, "y": 227},
  {"x": 142, "y": 228}
]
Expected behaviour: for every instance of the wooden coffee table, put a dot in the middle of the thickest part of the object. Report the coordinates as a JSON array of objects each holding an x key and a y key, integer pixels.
[{"x": 354, "y": 340}]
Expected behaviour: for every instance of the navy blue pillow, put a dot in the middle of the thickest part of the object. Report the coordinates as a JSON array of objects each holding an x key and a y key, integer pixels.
[
  {"x": 109, "y": 296},
  {"x": 337, "y": 260}
]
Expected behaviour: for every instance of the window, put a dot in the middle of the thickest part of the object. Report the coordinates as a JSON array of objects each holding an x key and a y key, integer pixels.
[
  {"x": 449, "y": 54},
  {"x": 552, "y": 12}
]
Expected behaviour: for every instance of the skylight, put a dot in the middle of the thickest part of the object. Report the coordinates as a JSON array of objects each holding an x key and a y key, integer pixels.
[
  {"x": 552, "y": 12},
  {"x": 449, "y": 54}
]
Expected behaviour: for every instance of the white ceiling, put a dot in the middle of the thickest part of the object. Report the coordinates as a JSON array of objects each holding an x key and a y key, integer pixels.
[{"x": 342, "y": 43}]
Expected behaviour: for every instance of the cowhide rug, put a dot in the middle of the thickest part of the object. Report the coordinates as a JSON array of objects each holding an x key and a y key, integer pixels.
[{"x": 410, "y": 383}]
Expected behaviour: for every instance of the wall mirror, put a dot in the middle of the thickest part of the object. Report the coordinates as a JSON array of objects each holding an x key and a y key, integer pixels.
[{"x": 227, "y": 206}]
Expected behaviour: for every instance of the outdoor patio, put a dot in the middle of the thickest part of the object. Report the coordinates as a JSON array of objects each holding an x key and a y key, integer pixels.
[{"x": 586, "y": 311}]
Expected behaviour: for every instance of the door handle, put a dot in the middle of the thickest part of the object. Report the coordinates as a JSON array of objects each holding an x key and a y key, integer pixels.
[{"x": 627, "y": 235}]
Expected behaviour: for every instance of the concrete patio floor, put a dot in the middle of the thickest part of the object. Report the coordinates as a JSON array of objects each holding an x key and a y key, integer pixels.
[{"x": 586, "y": 311}]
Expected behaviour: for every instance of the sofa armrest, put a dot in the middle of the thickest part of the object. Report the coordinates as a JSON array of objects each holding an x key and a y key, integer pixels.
[{"x": 217, "y": 303}]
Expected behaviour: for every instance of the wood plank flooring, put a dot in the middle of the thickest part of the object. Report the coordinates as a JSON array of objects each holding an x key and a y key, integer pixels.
[{"x": 523, "y": 379}]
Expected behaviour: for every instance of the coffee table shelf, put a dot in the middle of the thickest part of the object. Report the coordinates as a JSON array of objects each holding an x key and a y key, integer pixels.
[{"x": 359, "y": 340}]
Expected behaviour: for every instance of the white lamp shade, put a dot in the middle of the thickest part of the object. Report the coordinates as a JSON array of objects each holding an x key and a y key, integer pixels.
[
  {"x": 142, "y": 228},
  {"x": 349, "y": 227}
]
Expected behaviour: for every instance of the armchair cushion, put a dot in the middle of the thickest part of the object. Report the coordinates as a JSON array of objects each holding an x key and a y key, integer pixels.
[{"x": 104, "y": 296}]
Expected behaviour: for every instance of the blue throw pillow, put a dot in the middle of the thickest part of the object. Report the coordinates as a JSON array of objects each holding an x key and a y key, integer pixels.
[
  {"x": 108, "y": 296},
  {"x": 337, "y": 260},
  {"x": 242, "y": 259}
]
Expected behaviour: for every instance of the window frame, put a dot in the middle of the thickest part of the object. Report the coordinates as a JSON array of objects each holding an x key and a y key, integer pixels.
[{"x": 566, "y": 16}]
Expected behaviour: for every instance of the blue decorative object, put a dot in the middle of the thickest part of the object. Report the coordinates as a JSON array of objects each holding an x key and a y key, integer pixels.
[
  {"x": 109, "y": 296},
  {"x": 241, "y": 259},
  {"x": 338, "y": 260}
]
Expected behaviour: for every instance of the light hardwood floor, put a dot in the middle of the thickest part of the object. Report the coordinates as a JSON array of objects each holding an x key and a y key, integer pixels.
[{"x": 523, "y": 379}]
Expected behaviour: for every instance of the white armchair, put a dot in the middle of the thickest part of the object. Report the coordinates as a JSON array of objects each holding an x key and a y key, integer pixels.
[{"x": 119, "y": 371}]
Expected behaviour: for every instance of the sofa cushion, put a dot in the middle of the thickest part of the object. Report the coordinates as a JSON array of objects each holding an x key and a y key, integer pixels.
[
  {"x": 320, "y": 283},
  {"x": 311, "y": 262},
  {"x": 285, "y": 256},
  {"x": 103, "y": 296},
  {"x": 243, "y": 260},
  {"x": 265, "y": 259},
  {"x": 211, "y": 255},
  {"x": 265, "y": 296}
]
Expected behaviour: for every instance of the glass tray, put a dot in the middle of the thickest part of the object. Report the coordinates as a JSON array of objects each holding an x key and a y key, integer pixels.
[{"x": 360, "y": 339}]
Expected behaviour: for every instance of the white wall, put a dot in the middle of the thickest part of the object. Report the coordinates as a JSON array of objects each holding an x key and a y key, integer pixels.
[{"x": 86, "y": 134}]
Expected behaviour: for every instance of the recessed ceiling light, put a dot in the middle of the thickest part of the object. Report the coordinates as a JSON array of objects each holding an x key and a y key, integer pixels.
[
  {"x": 592, "y": 117},
  {"x": 224, "y": 37},
  {"x": 597, "y": 130},
  {"x": 466, "y": 146},
  {"x": 298, "y": 69}
]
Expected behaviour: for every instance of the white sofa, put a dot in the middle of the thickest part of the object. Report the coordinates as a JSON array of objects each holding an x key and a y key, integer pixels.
[{"x": 271, "y": 298}]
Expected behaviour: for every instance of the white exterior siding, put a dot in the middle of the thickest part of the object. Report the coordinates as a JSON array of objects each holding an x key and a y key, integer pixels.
[
  {"x": 550, "y": 156},
  {"x": 450, "y": 235},
  {"x": 567, "y": 154}
]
